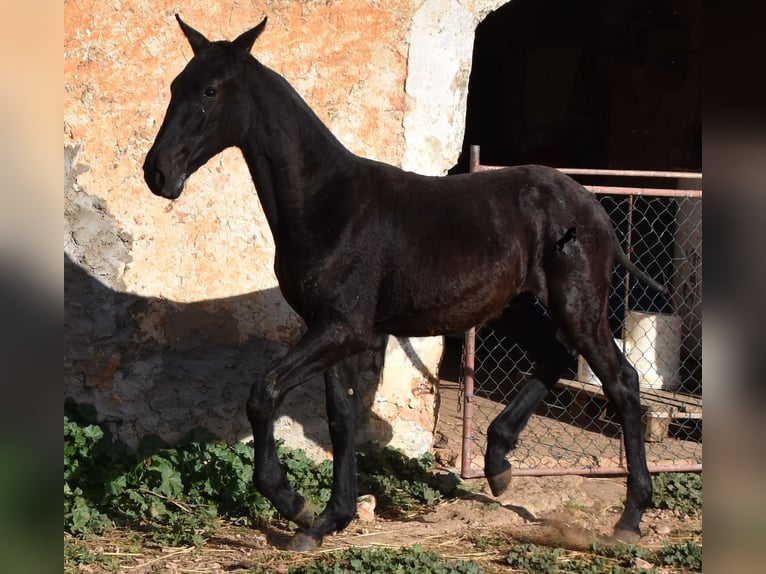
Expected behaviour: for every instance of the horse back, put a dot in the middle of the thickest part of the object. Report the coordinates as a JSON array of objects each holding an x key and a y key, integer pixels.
[{"x": 455, "y": 250}]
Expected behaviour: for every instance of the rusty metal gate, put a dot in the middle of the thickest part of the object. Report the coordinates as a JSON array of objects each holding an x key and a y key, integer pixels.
[{"x": 573, "y": 431}]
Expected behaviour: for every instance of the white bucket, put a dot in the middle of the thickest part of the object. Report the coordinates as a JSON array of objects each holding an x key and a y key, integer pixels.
[
  {"x": 654, "y": 343},
  {"x": 584, "y": 372}
]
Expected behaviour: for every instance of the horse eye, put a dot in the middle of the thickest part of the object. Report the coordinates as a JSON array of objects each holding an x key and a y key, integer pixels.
[{"x": 209, "y": 92}]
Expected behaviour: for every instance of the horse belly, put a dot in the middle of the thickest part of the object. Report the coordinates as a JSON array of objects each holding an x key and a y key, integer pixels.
[{"x": 428, "y": 311}]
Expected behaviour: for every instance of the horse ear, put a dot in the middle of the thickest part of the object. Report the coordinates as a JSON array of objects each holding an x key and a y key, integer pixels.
[
  {"x": 197, "y": 40},
  {"x": 245, "y": 41}
]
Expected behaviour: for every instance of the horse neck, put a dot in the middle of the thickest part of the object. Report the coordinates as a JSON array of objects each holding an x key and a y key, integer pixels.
[{"x": 289, "y": 151}]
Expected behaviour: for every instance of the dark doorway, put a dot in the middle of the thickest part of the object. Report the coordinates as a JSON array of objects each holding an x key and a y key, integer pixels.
[{"x": 602, "y": 84}]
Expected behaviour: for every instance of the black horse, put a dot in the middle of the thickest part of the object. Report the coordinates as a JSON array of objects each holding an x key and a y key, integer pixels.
[{"x": 363, "y": 247}]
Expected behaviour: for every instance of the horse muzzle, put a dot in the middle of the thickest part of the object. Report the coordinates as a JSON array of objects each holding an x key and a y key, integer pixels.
[{"x": 162, "y": 183}]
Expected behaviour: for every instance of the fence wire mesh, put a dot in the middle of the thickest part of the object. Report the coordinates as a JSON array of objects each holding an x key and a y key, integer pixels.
[{"x": 574, "y": 429}]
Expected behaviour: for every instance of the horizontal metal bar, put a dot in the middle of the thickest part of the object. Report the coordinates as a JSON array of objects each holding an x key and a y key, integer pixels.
[
  {"x": 609, "y": 172},
  {"x": 580, "y": 471},
  {"x": 654, "y": 192},
  {"x": 621, "y": 190},
  {"x": 631, "y": 173}
]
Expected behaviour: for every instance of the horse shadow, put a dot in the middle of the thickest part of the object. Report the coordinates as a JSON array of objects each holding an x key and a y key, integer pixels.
[{"x": 152, "y": 366}]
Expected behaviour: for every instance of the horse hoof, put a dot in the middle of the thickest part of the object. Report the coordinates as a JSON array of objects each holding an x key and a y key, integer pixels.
[
  {"x": 499, "y": 483},
  {"x": 305, "y": 518},
  {"x": 626, "y": 536},
  {"x": 303, "y": 542}
]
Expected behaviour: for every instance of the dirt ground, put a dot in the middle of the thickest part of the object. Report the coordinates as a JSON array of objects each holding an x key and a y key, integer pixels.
[
  {"x": 548, "y": 442},
  {"x": 562, "y": 511}
]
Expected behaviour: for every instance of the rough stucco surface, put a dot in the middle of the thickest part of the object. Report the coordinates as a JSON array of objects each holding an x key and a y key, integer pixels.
[
  {"x": 438, "y": 70},
  {"x": 172, "y": 308},
  {"x": 118, "y": 62}
]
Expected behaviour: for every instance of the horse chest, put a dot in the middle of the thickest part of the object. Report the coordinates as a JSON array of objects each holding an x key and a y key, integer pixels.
[
  {"x": 298, "y": 284},
  {"x": 308, "y": 284}
]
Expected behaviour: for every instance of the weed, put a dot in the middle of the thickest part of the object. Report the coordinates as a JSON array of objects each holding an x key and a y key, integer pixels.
[
  {"x": 576, "y": 506},
  {"x": 401, "y": 484},
  {"x": 680, "y": 492},
  {"x": 384, "y": 561},
  {"x": 533, "y": 558},
  {"x": 483, "y": 542},
  {"x": 604, "y": 559},
  {"x": 687, "y": 555},
  {"x": 77, "y": 553},
  {"x": 179, "y": 494}
]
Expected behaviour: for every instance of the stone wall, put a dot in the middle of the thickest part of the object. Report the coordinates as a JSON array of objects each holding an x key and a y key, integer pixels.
[{"x": 172, "y": 308}]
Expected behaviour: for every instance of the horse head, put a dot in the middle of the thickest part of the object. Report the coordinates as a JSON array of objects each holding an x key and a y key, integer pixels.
[{"x": 206, "y": 114}]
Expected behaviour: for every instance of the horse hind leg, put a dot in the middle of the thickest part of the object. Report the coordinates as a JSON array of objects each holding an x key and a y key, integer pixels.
[
  {"x": 525, "y": 323},
  {"x": 620, "y": 384},
  {"x": 594, "y": 340}
]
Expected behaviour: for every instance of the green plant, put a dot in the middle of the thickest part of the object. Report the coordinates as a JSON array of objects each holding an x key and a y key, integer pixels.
[
  {"x": 76, "y": 553},
  {"x": 604, "y": 559},
  {"x": 533, "y": 558},
  {"x": 680, "y": 492},
  {"x": 484, "y": 542},
  {"x": 385, "y": 561},
  {"x": 687, "y": 555},
  {"x": 402, "y": 484},
  {"x": 623, "y": 554},
  {"x": 83, "y": 472},
  {"x": 176, "y": 493},
  {"x": 313, "y": 481},
  {"x": 576, "y": 506},
  {"x": 179, "y": 494}
]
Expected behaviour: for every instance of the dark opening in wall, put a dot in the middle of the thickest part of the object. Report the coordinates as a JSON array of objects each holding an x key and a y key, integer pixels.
[{"x": 601, "y": 84}]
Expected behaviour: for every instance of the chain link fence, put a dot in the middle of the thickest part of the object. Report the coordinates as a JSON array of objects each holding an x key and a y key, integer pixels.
[{"x": 574, "y": 430}]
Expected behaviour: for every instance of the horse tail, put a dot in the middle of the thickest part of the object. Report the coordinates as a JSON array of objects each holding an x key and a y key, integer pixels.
[{"x": 622, "y": 258}]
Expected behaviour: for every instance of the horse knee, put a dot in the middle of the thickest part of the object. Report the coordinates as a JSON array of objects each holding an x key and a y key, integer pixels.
[
  {"x": 255, "y": 409},
  {"x": 262, "y": 400}
]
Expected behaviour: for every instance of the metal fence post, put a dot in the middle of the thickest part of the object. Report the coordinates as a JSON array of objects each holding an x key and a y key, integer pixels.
[{"x": 469, "y": 345}]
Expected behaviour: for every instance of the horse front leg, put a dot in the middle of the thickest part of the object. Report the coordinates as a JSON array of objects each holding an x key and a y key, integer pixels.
[
  {"x": 317, "y": 351},
  {"x": 340, "y": 392},
  {"x": 269, "y": 477}
]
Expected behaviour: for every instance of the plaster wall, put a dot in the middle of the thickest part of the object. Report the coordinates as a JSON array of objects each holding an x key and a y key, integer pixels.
[{"x": 172, "y": 308}]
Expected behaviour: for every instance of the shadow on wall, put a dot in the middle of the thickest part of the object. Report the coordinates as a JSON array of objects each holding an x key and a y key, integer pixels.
[{"x": 153, "y": 366}]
